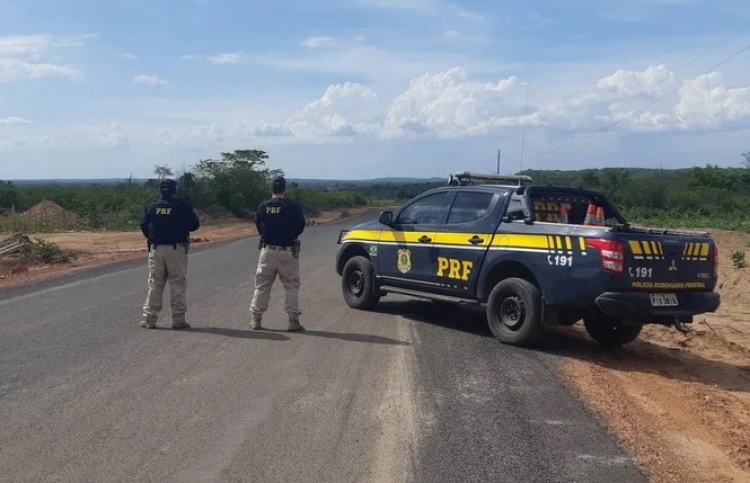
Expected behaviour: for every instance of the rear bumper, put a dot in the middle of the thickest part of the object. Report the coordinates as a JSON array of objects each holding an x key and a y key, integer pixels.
[{"x": 637, "y": 306}]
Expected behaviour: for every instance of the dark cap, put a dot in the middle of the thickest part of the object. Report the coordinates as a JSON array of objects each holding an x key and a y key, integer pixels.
[{"x": 278, "y": 185}]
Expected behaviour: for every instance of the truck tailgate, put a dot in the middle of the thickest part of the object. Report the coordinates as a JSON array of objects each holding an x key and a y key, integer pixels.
[{"x": 671, "y": 262}]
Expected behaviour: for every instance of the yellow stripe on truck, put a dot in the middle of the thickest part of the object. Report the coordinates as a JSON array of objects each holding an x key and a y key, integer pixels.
[
  {"x": 403, "y": 236},
  {"x": 369, "y": 235},
  {"x": 449, "y": 238},
  {"x": 522, "y": 241}
]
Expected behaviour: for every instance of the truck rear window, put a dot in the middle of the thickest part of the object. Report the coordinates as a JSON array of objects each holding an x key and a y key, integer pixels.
[{"x": 548, "y": 208}]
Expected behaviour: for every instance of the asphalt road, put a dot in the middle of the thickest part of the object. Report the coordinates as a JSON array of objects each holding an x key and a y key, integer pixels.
[{"x": 412, "y": 392}]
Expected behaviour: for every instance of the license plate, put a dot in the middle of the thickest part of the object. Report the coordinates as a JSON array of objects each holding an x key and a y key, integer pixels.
[{"x": 664, "y": 300}]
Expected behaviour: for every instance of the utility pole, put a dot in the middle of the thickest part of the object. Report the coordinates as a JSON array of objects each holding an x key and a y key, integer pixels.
[{"x": 499, "y": 151}]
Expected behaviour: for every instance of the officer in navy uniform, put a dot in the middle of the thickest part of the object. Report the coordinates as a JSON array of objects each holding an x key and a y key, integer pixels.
[
  {"x": 280, "y": 222},
  {"x": 166, "y": 223}
]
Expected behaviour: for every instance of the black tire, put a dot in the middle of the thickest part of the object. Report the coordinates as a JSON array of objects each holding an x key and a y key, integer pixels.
[
  {"x": 514, "y": 312},
  {"x": 358, "y": 284},
  {"x": 610, "y": 331}
]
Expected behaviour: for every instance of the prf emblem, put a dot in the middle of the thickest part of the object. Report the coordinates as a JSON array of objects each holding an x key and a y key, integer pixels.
[
  {"x": 163, "y": 211},
  {"x": 457, "y": 269},
  {"x": 273, "y": 210},
  {"x": 404, "y": 260}
]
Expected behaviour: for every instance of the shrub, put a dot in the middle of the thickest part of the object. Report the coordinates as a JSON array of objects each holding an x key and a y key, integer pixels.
[
  {"x": 47, "y": 252},
  {"x": 738, "y": 259}
]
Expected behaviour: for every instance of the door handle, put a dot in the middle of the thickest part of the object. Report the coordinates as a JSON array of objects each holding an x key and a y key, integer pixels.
[
  {"x": 425, "y": 239},
  {"x": 475, "y": 239}
]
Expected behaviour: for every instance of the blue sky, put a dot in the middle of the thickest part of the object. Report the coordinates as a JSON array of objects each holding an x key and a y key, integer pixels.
[{"x": 370, "y": 88}]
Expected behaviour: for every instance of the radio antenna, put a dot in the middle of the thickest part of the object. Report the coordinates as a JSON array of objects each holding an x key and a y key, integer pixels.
[{"x": 523, "y": 133}]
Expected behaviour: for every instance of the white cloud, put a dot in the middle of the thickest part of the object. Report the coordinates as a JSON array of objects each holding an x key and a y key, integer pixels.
[
  {"x": 130, "y": 56},
  {"x": 153, "y": 80},
  {"x": 226, "y": 58},
  {"x": 450, "y": 34},
  {"x": 450, "y": 105},
  {"x": 104, "y": 136},
  {"x": 328, "y": 42},
  {"x": 425, "y": 7},
  {"x": 221, "y": 59},
  {"x": 317, "y": 42},
  {"x": 13, "y": 120},
  {"x": 109, "y": 136},
  {"x": 31, "y": 57},
  {"x": 446, "y": 104},
  {"x": 413, "y": 5},
  {"x": 629, "y": 83},
  {"x": 704, "y": 102}
]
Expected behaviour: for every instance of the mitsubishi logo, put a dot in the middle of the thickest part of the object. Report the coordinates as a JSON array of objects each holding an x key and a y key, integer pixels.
[{"x": 673, "y": 266}]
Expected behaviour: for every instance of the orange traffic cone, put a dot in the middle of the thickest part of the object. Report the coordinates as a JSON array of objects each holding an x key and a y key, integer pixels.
[
  {"x": 590, "y": 215},
  {"x": 600, "y": 216},
  {"x": 563, "y": 217}
]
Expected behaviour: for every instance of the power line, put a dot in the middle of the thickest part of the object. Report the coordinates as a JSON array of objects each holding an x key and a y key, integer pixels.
[{"x": 642, "y": 109}]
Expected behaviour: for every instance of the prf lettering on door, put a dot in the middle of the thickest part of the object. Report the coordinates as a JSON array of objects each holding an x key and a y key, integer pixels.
[
  {"x": 163, "y": 211},
  {"x": 273, "y": 210},
  {"x": 457, "y": 269}
]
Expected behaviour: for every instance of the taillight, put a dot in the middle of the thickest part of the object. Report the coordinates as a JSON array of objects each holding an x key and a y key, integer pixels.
[{"x": 611, "y": 253}]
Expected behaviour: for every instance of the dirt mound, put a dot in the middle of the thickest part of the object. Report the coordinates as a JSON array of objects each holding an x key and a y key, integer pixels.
[{"x": 49, "y": 212}]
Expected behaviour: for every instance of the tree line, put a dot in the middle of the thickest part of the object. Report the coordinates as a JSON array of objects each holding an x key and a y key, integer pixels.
[
  {"x": 708, "y": 196},
  {"x": 236, "y": 182}
]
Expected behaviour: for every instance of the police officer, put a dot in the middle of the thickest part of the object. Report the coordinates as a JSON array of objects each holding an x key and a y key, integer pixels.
[
  {"x": 166, "y": 223},
  {"x": 280, "y": 222}
]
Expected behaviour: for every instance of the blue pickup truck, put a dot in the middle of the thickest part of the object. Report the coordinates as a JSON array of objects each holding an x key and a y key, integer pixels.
[{"x": 535, "y": 256}]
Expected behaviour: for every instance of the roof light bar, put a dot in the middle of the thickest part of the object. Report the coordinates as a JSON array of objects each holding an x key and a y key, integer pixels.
[{"x": 463, "y": 178}]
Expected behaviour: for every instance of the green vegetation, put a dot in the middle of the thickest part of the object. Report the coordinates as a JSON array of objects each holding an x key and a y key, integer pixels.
[
  {"x": 237, "y": 183},
  {"x": 45, "y": 252},
  {"x": 699, "y": 197},
  {"x": 738, "y": 259},
  {"x": 706, "y": 197}
]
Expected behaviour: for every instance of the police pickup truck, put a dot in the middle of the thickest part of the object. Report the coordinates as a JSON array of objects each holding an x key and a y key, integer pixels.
[{"x": 535, "y": 256}]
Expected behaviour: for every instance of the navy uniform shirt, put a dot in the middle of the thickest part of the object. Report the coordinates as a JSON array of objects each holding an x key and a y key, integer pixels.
[
  {"x": 168, "y": 221},
  {"x": 279, "y": 221}
]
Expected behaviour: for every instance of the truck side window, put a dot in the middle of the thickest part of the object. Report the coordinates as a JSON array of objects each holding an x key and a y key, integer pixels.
[
  {"x": 470, "y": 206},
  {"x": 426, "y": 211}
]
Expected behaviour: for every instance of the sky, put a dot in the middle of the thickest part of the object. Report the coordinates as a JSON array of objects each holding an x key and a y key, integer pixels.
[{"x": 356, "y": 89}]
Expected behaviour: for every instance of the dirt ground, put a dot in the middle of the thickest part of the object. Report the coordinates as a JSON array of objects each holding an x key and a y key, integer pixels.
[
  {"x": 679, "y": 403},
  {"x": 101, "y": 248}
]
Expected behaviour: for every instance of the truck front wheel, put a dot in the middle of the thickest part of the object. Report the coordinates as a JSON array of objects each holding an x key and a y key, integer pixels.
[
  {"x": 514, "y": 312},
  {"x": 358, "y": 284},
  {"x": 610, "y": 331}
]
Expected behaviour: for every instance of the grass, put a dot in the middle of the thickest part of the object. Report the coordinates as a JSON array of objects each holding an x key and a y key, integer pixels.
[{"x": 671, "y": 219}]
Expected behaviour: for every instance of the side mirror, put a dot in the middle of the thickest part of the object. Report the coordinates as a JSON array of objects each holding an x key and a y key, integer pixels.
[{"x": 386, "y": 218}]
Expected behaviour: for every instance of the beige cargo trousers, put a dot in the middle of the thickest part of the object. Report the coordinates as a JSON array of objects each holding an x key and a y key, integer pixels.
[
  {"x": 285, "y": 264},
  {"x": 167, "y": 263}
]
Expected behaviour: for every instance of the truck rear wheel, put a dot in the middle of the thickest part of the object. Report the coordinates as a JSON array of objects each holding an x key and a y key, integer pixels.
[
  {"x": 514, "y": 312},
  {"x": 358, "y": 284},
  {"x": 610, "y": 331}
]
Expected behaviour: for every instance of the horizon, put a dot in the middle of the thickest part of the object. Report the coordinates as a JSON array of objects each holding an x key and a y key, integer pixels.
[
  {"x": 354, "y": 89},
  {"x": 378, "y": 178}
]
